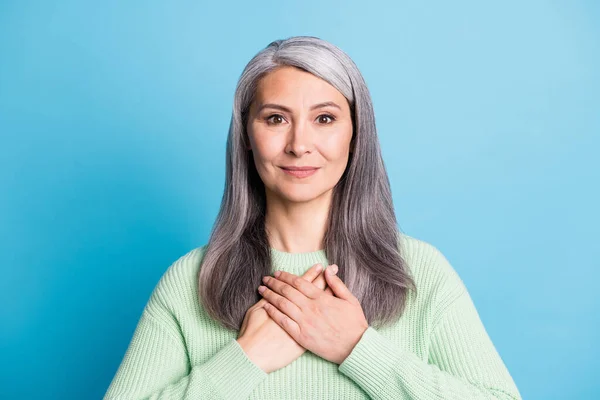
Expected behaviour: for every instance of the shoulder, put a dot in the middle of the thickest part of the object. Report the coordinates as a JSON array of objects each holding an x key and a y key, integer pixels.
[
  {"x": 177, "y": 284},
  {"x": 436, "y": 279},
  {"x": 424, "y": 257},
  {"x": 184, "y": 267}
]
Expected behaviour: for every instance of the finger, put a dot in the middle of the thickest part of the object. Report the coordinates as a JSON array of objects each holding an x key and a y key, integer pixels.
[
  {"x": 307, "y": 289},
  {"x": 247, "y": 316},
  {"x": 313, "y": 272},
  {"x": 287, "y": 291},
  {"x": 289, "y": 325},
  {"x": 259, "y": 304},
  {"x": 256, "y": 306},
  {"x": 336, "y": 284},
  {"x": 283, "y": 304},
  {"x": 320, "y": 281}
]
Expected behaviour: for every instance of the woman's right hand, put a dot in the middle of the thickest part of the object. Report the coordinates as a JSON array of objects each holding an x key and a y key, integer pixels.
[{"x": 266, "y": 343}]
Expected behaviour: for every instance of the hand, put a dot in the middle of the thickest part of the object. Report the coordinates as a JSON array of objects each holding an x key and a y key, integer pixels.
[
  {"x": 328, "y": 326},
  {"x": 267, "y": 344}
]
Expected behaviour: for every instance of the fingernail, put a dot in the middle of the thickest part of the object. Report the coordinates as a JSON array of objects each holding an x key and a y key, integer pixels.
[
  {"x": 333, "y": 269},
  {"x": 318, "y": 268},
  {"x": 277, "y": 273}
]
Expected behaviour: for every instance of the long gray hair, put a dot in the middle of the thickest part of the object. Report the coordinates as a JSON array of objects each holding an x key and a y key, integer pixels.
[{"x": 362, "y": 236}]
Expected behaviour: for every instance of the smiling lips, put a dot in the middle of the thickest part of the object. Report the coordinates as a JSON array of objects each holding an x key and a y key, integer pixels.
[{"x": 300, "y": 172}]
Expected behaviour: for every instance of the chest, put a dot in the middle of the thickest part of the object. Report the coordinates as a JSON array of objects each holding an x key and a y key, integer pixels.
[{"x": 309, "y": 376}]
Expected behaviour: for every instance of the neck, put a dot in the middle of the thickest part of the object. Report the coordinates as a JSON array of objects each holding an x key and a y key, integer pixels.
[{"x": 294, "y": 227}]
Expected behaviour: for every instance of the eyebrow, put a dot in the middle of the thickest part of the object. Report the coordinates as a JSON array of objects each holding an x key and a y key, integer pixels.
[{"x": 284, "y": 108}]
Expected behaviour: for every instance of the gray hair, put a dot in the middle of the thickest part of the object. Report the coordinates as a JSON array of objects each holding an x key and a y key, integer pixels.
[{"x": 362, "y": 236}]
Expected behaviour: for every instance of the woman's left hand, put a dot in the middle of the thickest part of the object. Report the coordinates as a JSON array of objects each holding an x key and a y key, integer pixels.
[{"x": 329, "y": 326}]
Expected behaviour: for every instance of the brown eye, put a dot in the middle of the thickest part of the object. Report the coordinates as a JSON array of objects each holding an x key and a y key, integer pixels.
[
  {"x": 331, "y": 117},
  {"x": 279, "y": 117}
]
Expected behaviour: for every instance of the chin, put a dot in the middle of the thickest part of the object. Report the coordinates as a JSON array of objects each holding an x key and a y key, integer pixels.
[{"x": 301, "y": 194}]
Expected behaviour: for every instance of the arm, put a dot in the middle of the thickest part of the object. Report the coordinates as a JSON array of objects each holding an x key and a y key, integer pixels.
[
  {"x": 464, "y": 362},
  {"x": 156, "y": 365}
]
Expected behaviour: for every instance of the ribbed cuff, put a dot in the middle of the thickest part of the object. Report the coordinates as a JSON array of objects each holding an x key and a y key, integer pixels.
[
  {"x": 232, "y": 373},
  {"x": 371, "y": 362}
]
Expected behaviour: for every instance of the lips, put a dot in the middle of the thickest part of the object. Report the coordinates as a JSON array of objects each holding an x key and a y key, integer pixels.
[
  {"x": 300, "y": 172},
  {"x": 293, "y": 168}
]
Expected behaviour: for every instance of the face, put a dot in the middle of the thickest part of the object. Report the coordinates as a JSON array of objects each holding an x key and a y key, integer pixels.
[{"x": 288, "y": 126}]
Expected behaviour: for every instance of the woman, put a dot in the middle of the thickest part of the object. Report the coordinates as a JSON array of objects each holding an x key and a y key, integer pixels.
[{"x": 307, "y": 189}]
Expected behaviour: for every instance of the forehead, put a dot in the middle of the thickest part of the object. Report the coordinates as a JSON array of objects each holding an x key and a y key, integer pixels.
[{"x": 289, "y": 82}]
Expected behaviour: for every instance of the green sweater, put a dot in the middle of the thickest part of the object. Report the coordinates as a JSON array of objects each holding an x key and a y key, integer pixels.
[{"x": 438, "y": 349}]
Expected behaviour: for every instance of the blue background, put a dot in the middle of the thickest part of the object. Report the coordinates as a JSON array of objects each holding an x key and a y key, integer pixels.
[{"x": 113, "y": 122}]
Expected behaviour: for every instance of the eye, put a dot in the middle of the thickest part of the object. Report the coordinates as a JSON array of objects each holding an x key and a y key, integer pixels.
[
  {"x": 331, "y": 117},
  {"x": 271, "y": 119},
  {"x": 278, "y": 116}
]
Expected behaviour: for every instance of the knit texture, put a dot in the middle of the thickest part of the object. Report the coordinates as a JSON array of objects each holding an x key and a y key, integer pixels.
[{"x": 438, "y": 349}]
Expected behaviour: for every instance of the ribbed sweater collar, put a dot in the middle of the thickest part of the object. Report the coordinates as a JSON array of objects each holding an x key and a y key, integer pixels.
[{"x": 297, "y": 263}]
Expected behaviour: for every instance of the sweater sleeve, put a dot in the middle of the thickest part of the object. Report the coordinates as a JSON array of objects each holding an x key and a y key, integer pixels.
[
  {"x": 156, "y": 365},
  {"x": 463, "y": 362}
]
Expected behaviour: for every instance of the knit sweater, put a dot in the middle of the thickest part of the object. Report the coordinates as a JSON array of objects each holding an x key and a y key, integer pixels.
[{"x": 438, "y": 349}]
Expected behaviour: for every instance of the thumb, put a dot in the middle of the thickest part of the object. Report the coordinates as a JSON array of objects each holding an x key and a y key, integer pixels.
[
  {"x": 320, "y": 281},
  {"x": 335, "y": 283},
  {"x": 312, "y": 272}
]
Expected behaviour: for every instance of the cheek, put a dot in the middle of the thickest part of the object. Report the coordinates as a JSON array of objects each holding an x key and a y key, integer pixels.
[
  {"x": 265, "y": 148},
  {"x": 336, "y": 148}
]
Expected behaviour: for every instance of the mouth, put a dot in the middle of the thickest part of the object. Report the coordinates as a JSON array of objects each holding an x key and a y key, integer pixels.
[{"x": 300, "y": 172}]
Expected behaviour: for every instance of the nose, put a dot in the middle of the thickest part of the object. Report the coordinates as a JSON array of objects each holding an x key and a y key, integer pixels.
[{"x": 300, "y": 139}]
